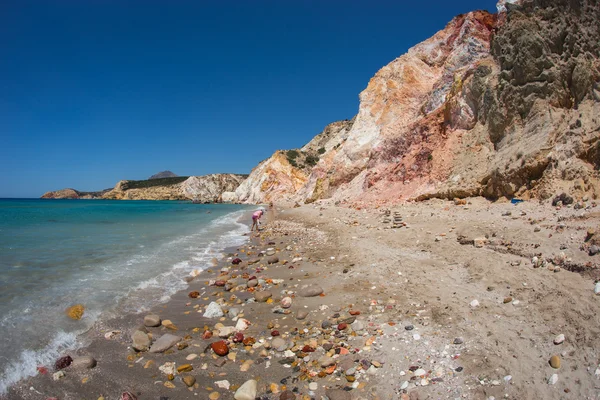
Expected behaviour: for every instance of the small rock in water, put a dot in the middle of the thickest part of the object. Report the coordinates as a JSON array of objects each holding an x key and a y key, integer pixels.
[
  {"x": 559, "y": 339},
  {"x": 213, "y": 311},
  {"x": 63, "y": 362},
  {"x": 152, "y": 320},
  {"x": 84, "y": 362},
  {"x": 247, "y": 391},
  {"x": 76, "y": 312}
]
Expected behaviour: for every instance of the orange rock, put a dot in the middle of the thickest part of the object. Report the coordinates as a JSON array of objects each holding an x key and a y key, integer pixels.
[
  {"x": 194, "y": 294},
  {"x": 76, "y": 311},
  {"x": 220, "y": 348}
]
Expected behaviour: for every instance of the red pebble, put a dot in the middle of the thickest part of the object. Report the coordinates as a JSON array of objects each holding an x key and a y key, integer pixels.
[
  {"x": 341, "y": 327},
  {"x": 274, "y": 333},
  {"x": 307, "y": 349},
  {"x": 42, "y": 370},
  {"x": 238, "y": 337},
  {"x": 220, "y": 283},
  {"x": 220, "y": 348},
  {"x": 353, "y": 312},
  {"x": 207, "y": 335}
]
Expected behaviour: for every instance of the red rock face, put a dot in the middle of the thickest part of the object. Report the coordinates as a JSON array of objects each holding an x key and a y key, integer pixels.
[{"x": 476, "y": 110}]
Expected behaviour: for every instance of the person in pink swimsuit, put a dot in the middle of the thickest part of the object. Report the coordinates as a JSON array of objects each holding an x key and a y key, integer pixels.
[{"x": 255, "y": 218}]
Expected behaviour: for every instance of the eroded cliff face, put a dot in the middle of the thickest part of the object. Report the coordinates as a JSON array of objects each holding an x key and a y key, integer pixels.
[
  {"x": 274, "y": 179},
  {"x": 203, "y": 189},
  {"x": 492, "y": 105}
]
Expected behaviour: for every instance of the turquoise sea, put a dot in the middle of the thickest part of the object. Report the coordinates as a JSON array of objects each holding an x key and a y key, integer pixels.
[{"x": 111, "y": 256}]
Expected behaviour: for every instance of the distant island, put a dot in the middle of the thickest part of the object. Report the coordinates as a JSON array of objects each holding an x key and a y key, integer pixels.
[{"x": 164, "y": 174}]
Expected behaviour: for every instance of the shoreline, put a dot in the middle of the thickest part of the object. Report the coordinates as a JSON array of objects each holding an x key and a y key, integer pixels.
[{"x": 419, "y": 311}]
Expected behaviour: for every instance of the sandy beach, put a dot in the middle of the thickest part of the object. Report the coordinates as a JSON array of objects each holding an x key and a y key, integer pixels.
[{"x": 429, "y": 300}]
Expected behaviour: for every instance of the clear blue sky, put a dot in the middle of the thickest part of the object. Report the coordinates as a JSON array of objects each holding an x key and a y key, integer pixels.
[{"x": 96, "y": 91}]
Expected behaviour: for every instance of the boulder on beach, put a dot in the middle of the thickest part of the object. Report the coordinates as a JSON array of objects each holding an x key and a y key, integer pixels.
[{"x": 164, "y": 343}]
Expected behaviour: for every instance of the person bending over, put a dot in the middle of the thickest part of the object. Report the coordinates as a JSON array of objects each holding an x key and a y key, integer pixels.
[{"x": 256, "y": 219}]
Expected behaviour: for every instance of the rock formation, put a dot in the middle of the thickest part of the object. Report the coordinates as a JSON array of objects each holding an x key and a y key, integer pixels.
[
  {"x": 203, "y": 189},
  {"x": 494, "y": 104}
]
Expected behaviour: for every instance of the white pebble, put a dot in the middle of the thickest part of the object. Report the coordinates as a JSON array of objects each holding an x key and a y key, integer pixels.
[
  {"x": 553, "y": 379},
  {"x": 474, "y": 303},
  {"x": 597, "y": 288},
  {"x": 559, "y": 339},
  {"x": 404, "y": 385},
  {"x": 416, "y": 336},
  {"x": 313, "y": 386}
]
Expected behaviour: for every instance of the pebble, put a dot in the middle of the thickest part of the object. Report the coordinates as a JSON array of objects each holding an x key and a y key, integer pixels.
[
  {"x": 597, "y": 288},
  {"x": 313, "y": 386},
  {"x": 84, "y": 362},
  {"x": 420, "y": 372},
  {"x": 474, "y": 303},
  {"x": 555, "y": 361},
  {"x": 311, "y": 290},
  {"x": 247, "y": 391},
  {"x": 214, "y": 396},
  {"x": 279, "y": 344},
  {"x": 263, "y": 296},
  {"x": 213, "y": 311},
  {"x": 273, "y": 260},
  {"x": 164, "y": 343},
  {"x": 553, "y": 379},
  {"x": 152, "y": 320},
  {"x": 58, "y": 375},
  {"x": 286, "y": 302},
  {"x": 189, "y": 380},
  {"x": 141, "y": 341},
  {"x": 220, "y": 348},
  {"x": 338, "y": 394},
  {"x": 301, "y": 314},
  {"x": 559, "y": 339},
  {"x": 287, "y": 395},
  {"x": 63, "y": 362},
  {"x": 75, "y": 312},
  {"x": 409, "y": 327},
  {"x": 458, "y": 340}
]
